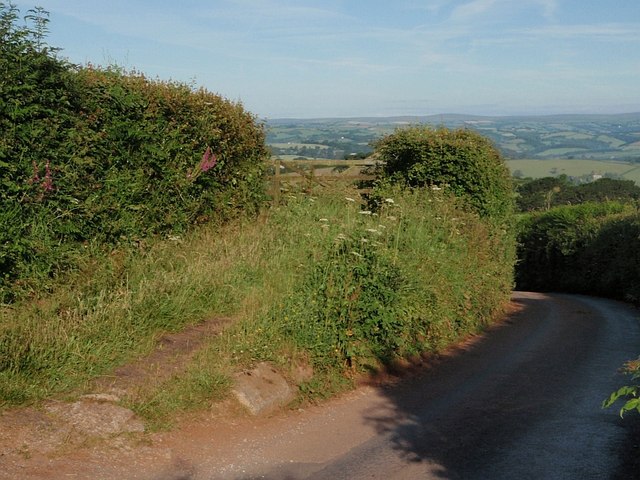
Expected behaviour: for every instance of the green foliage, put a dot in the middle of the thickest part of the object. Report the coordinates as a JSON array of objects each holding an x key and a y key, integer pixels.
[
  {"x": 102, "y": 155},
  {"x": 412, "y": 276},
  {"x": 313, "y": 279},
  {"x": 460, "y": 160},
  {"x": 544, "y": 193},
  {"x": 629, "y": 393},
  {"x": 589, "y": 248}
]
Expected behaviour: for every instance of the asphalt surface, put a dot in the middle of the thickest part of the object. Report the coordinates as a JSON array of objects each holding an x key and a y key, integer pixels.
[{"x": 522, "y": 403}]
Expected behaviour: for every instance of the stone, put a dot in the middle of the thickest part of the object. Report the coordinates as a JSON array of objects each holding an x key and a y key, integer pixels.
[
  {"x": 262, "y": 389},
  {"x": 97, "y": 418}
]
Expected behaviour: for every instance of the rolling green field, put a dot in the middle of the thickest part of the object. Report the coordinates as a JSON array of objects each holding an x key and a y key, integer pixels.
[{"x": 575, "y": 168}]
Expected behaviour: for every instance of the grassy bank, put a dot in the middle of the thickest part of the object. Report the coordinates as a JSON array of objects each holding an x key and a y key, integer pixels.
[{"x": 318, "y": 280}]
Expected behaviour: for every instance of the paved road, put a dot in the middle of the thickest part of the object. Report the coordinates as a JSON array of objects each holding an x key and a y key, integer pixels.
[{"x": 522, "y": 403}]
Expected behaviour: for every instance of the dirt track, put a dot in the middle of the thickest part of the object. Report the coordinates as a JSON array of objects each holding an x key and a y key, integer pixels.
[{"x": 522, "y": 401}]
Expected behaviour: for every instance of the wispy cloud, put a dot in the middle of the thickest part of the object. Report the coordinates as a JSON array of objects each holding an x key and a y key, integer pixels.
[
  {"x": 472, "y": 9},
  {"x": 621, "y": 31}
]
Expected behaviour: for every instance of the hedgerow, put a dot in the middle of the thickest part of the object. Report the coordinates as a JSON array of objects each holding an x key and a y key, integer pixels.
[
  {"x": 590, "y": 248},
  {"x": 102, "y": 155},
  {"x": 462, "y": 160}
]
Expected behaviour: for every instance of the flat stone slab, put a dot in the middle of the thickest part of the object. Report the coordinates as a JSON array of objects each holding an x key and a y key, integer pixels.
[
  {"x": 95, "y": 415},
  {"x": 262, "y": 389}
]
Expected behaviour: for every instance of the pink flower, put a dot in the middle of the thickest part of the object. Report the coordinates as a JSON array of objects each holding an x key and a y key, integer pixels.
[
  {"x": 209, "y": 160},
  {"x": 47, "y": 182},
  {"x": 35, "y": 178}
]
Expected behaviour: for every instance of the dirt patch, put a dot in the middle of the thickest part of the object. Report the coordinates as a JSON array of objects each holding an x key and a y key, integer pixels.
[
  {"x": 171, "y": 356},
  {"x": 34, "y": 438}
]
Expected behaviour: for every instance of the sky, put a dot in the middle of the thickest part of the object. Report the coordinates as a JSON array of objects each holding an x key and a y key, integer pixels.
[{"x": 354, "y": 58}]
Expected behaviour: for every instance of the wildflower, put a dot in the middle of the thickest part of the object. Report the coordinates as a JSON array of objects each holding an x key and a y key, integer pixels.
[
  {"x": 364, "y": 240},
  {"x": 356, "y": 254},
  {"x": 349, "y": 199},
  {"x": 47, "y": 183},
  {"x": 323, "y": 220},
  {"x": 209, "y": 160},
  {"x": 365, "y": 212},
  {"x": 389, "y": 200},
  {"x": 382, "y": 227},
  {"x": 435, "y": 188},
  {"x": 372, "y": 230},
  {"x": 35, "y": 178},
  {"x": 341, "y": 237}
]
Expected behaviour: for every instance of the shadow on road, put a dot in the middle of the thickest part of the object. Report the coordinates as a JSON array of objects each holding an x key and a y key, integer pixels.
[{"x": 521, "y": 402}]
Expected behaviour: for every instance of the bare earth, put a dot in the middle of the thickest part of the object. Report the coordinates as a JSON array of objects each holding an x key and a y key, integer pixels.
[{"x": 520, "y": 402}]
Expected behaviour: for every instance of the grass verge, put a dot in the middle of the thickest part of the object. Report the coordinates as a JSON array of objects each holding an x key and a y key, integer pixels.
[{"x": 320, "y": 281}]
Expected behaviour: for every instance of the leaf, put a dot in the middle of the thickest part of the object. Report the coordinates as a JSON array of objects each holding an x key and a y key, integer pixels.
[
  {"x": 633, "y": 404},
  {"x": 621, "y": 392}
]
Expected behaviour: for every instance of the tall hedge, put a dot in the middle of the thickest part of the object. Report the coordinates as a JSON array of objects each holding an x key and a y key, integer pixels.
[
  {"x": 593, "y": 248},
  {"x": 461, "y": 160},
  {"x": 91, "y": 154}
]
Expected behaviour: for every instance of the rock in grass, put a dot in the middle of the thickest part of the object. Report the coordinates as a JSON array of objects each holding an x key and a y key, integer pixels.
[{"x": 262, "y": 389}]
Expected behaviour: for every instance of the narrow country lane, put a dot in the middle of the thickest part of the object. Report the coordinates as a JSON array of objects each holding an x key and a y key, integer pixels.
[{"x": 522, "y": 401}]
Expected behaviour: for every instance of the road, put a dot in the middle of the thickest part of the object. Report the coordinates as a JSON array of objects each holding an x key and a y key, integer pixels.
[{"x": 523, "y": 402}]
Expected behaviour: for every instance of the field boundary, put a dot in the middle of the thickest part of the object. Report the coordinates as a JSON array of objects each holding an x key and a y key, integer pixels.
[{"x": 317, "y": 172}]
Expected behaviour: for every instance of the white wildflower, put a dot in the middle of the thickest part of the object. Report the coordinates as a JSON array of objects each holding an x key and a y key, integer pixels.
[
  {"x": 364, "y": 240},
  {"x": 323, "y": 220},
  {"x": 365, "y": 212},
  {"x": 356, "y": 254},
  {"x": 349, "y": 199},
  {"x": 435, "y": 187},
  {"x": 389, "y": 200},
  {"x": 372, "y": 230}
]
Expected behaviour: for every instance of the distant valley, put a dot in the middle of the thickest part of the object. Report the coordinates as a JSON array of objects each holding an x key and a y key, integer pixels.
[
  {"x": 559, "y": 139},
  {"x": 595, "y": 137}
]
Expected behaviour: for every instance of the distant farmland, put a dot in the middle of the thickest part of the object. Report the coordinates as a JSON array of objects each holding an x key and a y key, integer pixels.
[{"x": 574, "y": 168}]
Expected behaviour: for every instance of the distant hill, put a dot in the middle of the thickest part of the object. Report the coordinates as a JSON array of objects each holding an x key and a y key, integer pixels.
[{"x": 595, "y": 137}]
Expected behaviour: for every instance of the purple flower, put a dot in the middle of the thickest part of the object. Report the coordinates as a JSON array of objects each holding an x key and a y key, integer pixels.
[
  {"x": 209, "y": 160},
  {"x": 35, "y": 178},
  {"x": 47, "y": 182}
]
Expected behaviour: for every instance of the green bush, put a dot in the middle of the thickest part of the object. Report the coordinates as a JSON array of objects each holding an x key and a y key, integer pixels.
[
  {"x": 590, "y": 248},
  {"x": 412, "y": 276},
  {"x": 460, "y": 160},
  {"x": 102, "y": 155}
]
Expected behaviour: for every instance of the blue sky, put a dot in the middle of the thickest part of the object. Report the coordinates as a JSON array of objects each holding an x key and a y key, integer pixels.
[{"x": 342, "y": 58}]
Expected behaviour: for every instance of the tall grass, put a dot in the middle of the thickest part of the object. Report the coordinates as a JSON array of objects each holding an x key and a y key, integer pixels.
[{"x": 319, "y": 280}]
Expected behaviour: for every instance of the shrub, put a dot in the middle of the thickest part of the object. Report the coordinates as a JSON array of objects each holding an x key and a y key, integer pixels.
[
  {"x": 462, "y": 160},
  {"x": 102, "y": 155},
  {"x": 589, "y": 248},
  {"x": 547, "y": 192}
]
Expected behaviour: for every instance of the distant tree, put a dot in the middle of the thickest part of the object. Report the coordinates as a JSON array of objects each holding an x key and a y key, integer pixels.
[
  {"x": 539, "y": 194},
  {"x": 548, "y": 192}
]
